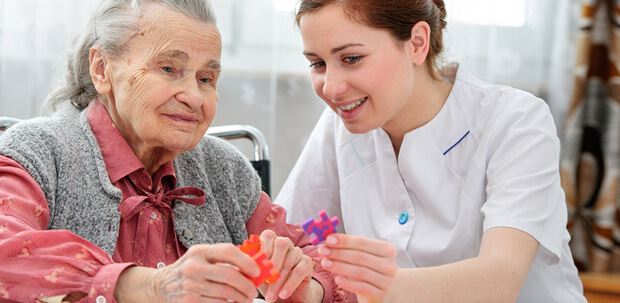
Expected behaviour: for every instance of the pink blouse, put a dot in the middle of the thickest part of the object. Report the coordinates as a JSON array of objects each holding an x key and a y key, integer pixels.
[{"x": 40, "y": 263}]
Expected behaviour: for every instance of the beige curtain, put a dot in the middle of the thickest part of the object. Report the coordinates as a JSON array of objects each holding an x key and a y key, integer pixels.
[{"x": 591, "y": 142}]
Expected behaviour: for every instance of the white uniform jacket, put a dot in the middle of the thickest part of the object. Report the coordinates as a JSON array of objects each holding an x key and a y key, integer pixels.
[{"x": 489, "y": 158}]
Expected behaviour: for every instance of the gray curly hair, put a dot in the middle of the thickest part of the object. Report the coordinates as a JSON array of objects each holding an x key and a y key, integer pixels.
[{"x": 110, "y": 26}]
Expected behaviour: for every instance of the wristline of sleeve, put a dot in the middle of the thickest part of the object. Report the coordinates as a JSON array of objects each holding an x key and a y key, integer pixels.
[
  {"x": 328, "y": 286},
  {"x": 105, "y": 280}
]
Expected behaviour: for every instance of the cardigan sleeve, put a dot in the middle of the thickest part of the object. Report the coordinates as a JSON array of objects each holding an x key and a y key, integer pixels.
[
  {"x": 272, "y": 216},
  {"x": 36, "y": 263}
]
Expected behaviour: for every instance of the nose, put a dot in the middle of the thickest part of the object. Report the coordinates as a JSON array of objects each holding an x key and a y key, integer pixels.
[
  {"x": 334, "y": 84},
  {"x": 190, "y": 94}
]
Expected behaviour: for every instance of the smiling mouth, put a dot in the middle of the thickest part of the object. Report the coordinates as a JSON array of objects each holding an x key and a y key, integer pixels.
[
  {"x": 352, "y": 106},
  {"x": 182, "y": 118}
]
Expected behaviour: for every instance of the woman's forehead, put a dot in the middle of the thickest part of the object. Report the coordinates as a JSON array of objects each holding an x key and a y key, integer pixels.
[
  {"x": 166, "y": 33},
  {"x": 165, "y": 22}
]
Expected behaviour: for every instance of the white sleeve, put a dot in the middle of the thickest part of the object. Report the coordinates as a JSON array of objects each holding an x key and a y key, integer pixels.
[
  {"x": 313, "y": 183},
  {"x": 524, "y": 190}
]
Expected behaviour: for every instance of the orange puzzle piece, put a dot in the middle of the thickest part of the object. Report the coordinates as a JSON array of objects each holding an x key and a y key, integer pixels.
[{"x": 251, "y": 247}]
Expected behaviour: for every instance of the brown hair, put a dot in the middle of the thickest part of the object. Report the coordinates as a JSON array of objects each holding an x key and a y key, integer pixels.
[{"x": 395, "y": 16}]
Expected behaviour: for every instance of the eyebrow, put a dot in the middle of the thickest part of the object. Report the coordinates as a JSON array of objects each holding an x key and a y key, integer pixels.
[
  {"x": 214, "y": 64},
  {"x": 174, "y": 54},
  {"x": 335, "y": 49}
]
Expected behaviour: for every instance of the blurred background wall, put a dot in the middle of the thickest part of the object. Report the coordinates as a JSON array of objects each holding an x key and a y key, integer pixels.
[{"x": 265, "y": 81}]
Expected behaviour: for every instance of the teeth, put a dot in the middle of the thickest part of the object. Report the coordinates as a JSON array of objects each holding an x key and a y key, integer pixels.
[{"x": 353, "y": 105}]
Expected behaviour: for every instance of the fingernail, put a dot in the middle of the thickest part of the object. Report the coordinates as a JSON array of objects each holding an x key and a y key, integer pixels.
[
  {"x": 324, "y": 250},
  {"x": 338, "y": 280},
  {"x": 327, "y": 263},
  {"x": 332, "y": 240},
  {"x": 271, "y": 297},
  {"x": 283, "y": 294}
]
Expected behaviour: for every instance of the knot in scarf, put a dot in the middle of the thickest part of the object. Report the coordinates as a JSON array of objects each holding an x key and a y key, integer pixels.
[{"x": 162, "y": 201}]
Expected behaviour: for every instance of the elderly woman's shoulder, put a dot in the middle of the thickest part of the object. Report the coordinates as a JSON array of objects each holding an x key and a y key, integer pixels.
[
  {"x": 220, "y": 160},
  {"x": 217, "y": 149},
  {"x": 43, "y": 128}
]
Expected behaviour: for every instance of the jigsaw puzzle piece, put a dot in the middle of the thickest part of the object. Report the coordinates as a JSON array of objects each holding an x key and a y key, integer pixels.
[
  {"x": 321, "y": 228},
  {"x": 250, "y": 246},
  {"x": 269, "y": 274}
]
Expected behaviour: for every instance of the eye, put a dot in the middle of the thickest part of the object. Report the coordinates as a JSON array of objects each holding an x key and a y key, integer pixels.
[
  {"x": 317, "y": 64},
  {"x": 167, "y": 69},
  {"x": 352, "y": 59},
  {"x": 205, "y": 80}
]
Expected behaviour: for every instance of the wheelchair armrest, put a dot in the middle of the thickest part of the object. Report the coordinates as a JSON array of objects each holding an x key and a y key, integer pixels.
[
  {"x": 261, "y": 161},
  {"x": 6, "y": 122}
]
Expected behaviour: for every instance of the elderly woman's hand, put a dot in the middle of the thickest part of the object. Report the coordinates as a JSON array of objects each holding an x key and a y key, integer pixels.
[
  {"x": 296, "y": 283},
  {"x": 204, "y": 273}
]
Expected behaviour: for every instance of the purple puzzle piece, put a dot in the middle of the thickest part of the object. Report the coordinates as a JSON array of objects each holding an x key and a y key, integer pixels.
[{"x": 320, "y": 228}]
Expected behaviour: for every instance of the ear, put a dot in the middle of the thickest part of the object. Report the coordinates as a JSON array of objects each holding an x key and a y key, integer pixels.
[
  {"x": 419, "y": 42},
  {"x": 99, "y": 70}
]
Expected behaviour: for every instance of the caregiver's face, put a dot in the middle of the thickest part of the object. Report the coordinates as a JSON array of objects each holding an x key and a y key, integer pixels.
[{"x": 361, "y": 72}]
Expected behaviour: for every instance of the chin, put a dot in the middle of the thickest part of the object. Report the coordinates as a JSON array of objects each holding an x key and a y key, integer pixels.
[
  {"x": 358, "y": 129},
  {"x": 181, "y": 144}
]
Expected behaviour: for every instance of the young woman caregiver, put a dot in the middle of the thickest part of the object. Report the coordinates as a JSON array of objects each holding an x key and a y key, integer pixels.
[{"x": 447, "y": 187}]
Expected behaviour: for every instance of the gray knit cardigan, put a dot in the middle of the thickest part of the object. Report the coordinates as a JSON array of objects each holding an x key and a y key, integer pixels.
[{"x": 62, "y": 155}]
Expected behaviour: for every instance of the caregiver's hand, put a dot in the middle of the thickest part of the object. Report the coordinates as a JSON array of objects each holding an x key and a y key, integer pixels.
[{"x": 364, "y": 266}]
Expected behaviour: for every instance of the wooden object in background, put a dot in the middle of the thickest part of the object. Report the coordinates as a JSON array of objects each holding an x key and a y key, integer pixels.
[{"x": 601, "y": 287}]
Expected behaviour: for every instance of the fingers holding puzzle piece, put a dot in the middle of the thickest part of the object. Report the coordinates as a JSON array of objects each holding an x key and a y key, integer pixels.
[{"x": 268, "y": 274}]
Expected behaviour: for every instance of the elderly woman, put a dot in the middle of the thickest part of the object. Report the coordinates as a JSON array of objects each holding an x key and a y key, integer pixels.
[{"x": 118, "y": 196}]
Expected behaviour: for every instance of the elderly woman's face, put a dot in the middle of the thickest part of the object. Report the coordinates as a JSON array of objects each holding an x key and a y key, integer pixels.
[{"x": 163, "y": 95}]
